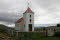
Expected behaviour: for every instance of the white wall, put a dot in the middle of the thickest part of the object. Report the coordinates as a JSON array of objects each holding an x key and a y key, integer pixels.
[
  {"x": 26, "y": 20},
  {"x": 19, "y": 26}
]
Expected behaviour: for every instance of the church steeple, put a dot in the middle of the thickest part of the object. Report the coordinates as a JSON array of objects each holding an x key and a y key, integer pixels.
[
  {"x": 28, "y": 9},
  {"x": 28, "y": 4}
]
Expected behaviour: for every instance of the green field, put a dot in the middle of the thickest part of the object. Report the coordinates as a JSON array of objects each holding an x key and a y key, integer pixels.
[{"x": 34, "y": 36}]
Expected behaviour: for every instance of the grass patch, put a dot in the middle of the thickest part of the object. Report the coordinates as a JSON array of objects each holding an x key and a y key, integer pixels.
[{"x": 34, "y": 36}]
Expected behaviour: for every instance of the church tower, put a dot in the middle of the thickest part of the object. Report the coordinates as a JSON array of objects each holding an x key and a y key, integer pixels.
[
  {"x": 26, "y": 23},
  {"x": 28, "y": 20}
]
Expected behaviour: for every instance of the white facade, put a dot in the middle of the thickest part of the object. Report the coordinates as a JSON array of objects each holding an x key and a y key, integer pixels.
[
  {"x": 27, "y": 24},
  {"x": 19, "y": 26},
  {"x": 28, "y": 19}
]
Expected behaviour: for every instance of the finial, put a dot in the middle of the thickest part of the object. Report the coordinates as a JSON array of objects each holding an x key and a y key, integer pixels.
[{"x": 28, "y": 3}]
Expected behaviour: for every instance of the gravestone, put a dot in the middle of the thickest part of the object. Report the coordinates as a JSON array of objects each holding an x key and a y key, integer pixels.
[{"x": 50, "y": 32}]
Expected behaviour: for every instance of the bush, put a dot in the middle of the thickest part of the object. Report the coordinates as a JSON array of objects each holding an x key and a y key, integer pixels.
[{"x": 57, "y": 34}]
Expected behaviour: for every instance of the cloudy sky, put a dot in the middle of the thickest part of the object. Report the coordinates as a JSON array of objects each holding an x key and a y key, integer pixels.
[{"x": 46, "y": 11}]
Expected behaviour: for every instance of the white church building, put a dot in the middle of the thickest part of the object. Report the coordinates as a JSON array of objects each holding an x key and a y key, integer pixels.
[{"x": 26, "y": 23}]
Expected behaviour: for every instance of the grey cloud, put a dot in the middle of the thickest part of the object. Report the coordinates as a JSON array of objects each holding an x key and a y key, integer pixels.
[
  {"x": 8, "y": 19},
  {"x": 51, "y": 8},
  {"x": 12, "y": 10}
]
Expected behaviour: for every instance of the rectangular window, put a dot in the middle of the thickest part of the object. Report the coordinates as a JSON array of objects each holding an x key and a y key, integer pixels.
[
  {"x": 30, "y": 20},
  {"x": 30, "y": 16}
]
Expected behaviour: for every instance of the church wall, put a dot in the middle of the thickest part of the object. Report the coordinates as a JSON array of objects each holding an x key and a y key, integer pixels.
[
  {"x": 16, "y": 26},
  {"x": 32, "y": 20},
  {"x": 19, "y": 26},
  {"x": 27, "y": 20}
]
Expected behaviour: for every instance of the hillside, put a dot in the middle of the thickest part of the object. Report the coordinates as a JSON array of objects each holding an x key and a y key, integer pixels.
[
  {"x": 3, "y": 28},
  {"x": 5, "y": 32}
]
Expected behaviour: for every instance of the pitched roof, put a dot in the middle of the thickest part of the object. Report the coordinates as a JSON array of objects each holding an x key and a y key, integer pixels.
[
  {"x": 19, "y": 20},
  {"x": 29, "y": 10}
]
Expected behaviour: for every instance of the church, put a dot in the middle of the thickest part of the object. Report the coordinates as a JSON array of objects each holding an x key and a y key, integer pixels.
[{"x": 26, "y": 23}]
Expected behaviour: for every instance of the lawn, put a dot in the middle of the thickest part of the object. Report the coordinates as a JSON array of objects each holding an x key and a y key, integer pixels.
[{"x": 34, "y": 36}]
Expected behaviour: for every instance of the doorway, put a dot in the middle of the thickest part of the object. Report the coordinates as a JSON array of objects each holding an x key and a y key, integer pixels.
[{"x": 30, "y": 27}]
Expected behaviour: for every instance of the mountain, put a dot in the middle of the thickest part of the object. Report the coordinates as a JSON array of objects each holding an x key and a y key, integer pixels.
[{"x": 44, "y": 25}]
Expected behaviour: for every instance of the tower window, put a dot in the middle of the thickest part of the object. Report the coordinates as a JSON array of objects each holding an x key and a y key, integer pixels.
[
  {"x": 30, "y": 20},
  {"x": 30, "y": 16}
]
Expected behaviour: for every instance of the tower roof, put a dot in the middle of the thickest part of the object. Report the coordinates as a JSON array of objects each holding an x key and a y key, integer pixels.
[
  {"x": 19, "y": 20},
  {"x": 29, "y": 10}
]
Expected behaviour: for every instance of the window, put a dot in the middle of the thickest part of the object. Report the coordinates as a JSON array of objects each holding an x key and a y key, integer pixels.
[
  {"x": 30, "y": 16},
  {"x": 30, "y": 27},
  {"x": 30, "y": 20},
  {"x": 24, "y": 25}
]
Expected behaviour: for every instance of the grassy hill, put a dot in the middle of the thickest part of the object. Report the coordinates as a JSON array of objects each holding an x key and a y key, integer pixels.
[
  {"x": 3, "y": 28},
  {"x": 40, "y": 29},
  {"x": 5, "y": 32}
]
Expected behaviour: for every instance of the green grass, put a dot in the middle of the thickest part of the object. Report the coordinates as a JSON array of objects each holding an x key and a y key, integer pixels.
[{"x": 34, "y": 36}]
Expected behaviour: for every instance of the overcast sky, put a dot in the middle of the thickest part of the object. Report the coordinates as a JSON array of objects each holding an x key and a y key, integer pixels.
[{"x": 46, "y": 11}]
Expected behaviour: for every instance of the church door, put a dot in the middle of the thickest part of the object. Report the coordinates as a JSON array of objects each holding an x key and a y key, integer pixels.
[{"x": 30, "y": 27}]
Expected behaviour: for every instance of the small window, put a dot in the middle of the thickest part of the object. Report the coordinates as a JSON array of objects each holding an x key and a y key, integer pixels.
[
  {"x": 24, "y": 25},
  {"x": 30, "y": 20},
  {"x": 30, "y": 16}
]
